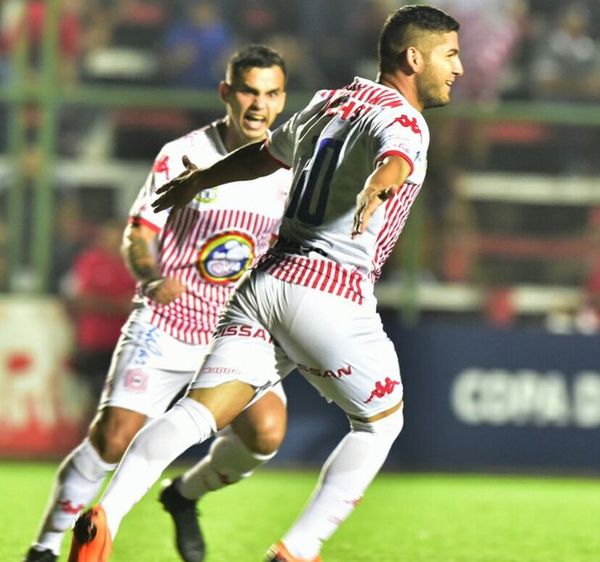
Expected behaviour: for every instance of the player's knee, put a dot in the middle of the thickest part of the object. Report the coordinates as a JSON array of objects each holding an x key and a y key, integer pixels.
[
  {"x": 111, "y": 445},
  {"x": 269, "y": 439},
  {"x": 262, "y": 435},
  {"x": 114, "y": 445},
  {"x": 111, "y": 434},
  {"x": 389, "y": 426},
  {"x": 262, "y": 427}
]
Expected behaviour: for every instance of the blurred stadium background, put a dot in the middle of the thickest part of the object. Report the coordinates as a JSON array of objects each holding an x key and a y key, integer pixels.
[{"x": 492, "y": 297}]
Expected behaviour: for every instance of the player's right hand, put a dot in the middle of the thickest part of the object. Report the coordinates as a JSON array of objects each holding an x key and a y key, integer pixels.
[
  {"x": 367, "y": 202},
  {"x": 164, "y": 290},
  {"x": 385, "y": 182},
  {"x": 178, "y": 192}
]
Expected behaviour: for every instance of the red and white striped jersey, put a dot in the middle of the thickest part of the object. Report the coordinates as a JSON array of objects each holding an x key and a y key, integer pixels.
[
  {"x": 211, "y": 242},
  {"x": 333, "y": 145}
]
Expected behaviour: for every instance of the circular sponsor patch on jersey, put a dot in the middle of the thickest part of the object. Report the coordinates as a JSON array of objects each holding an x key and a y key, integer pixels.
[{"x": 224, "y": 257}]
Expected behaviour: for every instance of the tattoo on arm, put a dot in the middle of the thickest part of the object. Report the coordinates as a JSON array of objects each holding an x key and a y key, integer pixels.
[{"x": 140, "y": 259}]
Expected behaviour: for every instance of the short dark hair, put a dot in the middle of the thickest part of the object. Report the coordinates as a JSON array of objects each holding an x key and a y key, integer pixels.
[
  {"x": 253, "y": 56},
  {"x": 404, "y": 26}
]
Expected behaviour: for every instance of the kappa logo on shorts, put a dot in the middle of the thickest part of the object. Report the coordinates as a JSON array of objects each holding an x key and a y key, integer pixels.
[
  {"x": 220, "y": 371},
  {"x": 382, "y": 388},
  {"x": 224, "y": 257},
  {"x": 327, "y": 373},
  {"x": 136, "y": 380}
]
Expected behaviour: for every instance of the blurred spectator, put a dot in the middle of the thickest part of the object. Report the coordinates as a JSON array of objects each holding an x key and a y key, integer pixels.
[
  {"x": 327, "y": 34},
  {"x": 3, "y": 259},
  {"x": 566, "y": 65},
  {"x": 459, "y": 243},
  {"x": 302, "y": 69},
  {"x": 71, "y": 235},
  {"x": 257, "y": 19},
  {"x": 489, "y": 36},
  {"x": 124, "y": 41},
  {"x": 366, "y": 20},
  {"x": 27, "y": 18},
  {"x": 99, "y": 293},
  {"x": 588, "y": 318},
  {"x": 491, "y": 31},
  {"x": 566, "y": 68},
  {"x": 499, "y": 307},
  {"x": 452, "y": 224},
  {"x": 196, "y": 46},
  {"x": 139, "y": 23}
]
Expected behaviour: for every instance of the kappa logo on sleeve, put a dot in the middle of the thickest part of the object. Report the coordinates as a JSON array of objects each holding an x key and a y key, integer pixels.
[{"x": 411, "y": 124}]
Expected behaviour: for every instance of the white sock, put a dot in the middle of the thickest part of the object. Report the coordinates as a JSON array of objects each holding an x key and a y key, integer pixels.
[
  {"x": 154, "y": 448},
  {"x": 77, "y": 482},
  {"x": 228, "y": 461},
  {"x": 344, "y": 478}
]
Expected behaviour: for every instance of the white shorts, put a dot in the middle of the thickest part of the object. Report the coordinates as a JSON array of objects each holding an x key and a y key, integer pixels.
[
  {"x": 149, "y": 368},
  {"x": 270, "y": 327}
]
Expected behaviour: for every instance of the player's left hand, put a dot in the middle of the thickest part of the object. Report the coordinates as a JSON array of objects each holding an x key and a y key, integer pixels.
[
  {"x": 178, "y": 192},
  {"x": 163, "y": 290}
]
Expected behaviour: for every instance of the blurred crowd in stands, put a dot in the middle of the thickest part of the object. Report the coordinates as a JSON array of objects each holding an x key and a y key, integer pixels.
[
  {"x": 527, "y": 49},
  {"x": 512, "y": 50}
]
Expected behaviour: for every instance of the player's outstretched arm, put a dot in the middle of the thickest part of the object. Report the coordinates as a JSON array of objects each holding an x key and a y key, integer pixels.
[
  {"x": 384, "y": 182},
  {"x": 247, "y": 163}
]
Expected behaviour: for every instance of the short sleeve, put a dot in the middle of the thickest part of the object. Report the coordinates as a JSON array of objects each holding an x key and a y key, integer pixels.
[
  {"x": 141, "y": 211},
  {"x": 401, "y": 132}
]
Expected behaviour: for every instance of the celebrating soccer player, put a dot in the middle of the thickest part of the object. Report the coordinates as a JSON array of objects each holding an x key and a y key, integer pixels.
[{"x": 359, "y": 157}]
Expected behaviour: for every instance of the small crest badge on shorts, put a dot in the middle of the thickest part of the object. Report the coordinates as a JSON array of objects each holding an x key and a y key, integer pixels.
[{"x": 136, "y": 380}]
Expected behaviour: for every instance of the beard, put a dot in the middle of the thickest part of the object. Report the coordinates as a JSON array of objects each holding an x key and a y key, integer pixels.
[{"x": 431, "y": 93}]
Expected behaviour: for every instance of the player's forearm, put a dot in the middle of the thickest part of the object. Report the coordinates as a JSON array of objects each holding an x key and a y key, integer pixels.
[
  {"x": 139, "y": 255},
  {"x": 388, "y": 177},
  {"x": 379, "y": 187},
  {"x": 247, "y": 163},
  {"x": 384, "y": 182}
]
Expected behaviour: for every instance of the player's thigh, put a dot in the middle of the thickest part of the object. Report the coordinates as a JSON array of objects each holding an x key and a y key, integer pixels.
[
  {"x": 343, "y": 350},
  {"x": 242, "y": 348},
  {"x": 140, "y": 379}
]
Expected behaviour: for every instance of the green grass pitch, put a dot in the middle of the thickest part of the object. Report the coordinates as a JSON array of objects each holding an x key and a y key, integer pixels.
[{"x": 403, "y": 518}]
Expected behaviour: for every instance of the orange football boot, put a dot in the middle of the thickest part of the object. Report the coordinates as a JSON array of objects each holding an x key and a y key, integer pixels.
[
  {"x": 91, "y": 538},
  {"x": 279, "y": 553}
]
